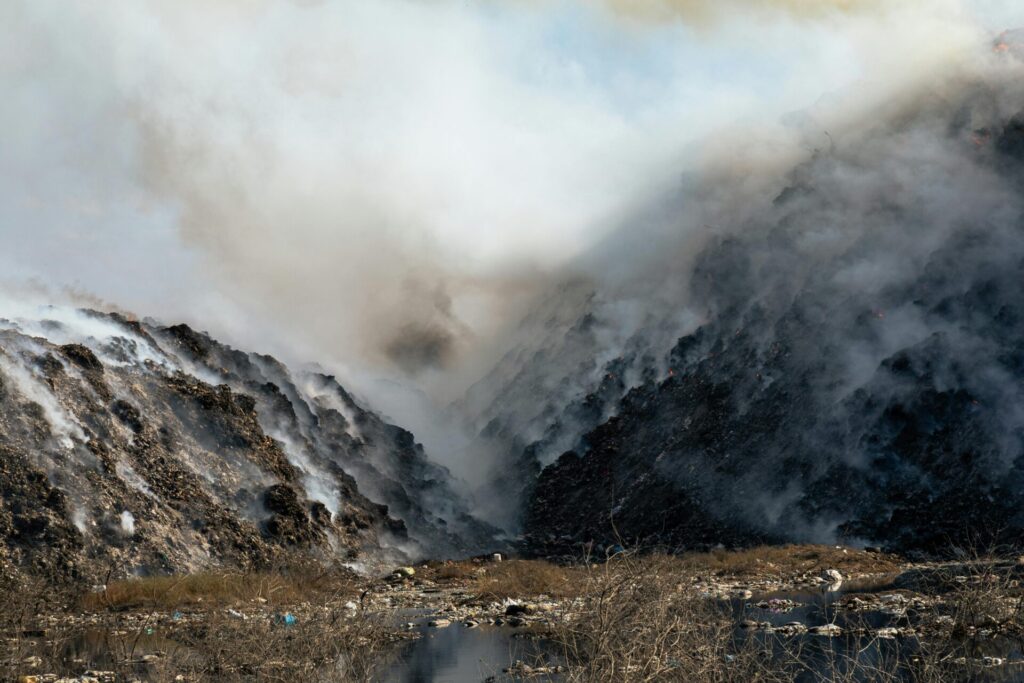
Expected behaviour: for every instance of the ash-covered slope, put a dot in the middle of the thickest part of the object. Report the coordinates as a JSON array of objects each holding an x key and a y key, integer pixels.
[
  {"x": 133, "y": 447},
  {"x": 858, "y": 371}
]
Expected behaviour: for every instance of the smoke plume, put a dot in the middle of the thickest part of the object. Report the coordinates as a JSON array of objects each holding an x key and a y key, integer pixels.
[{"x": 390, "y": 187}]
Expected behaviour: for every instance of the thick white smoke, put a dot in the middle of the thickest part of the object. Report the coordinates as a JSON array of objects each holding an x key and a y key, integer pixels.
[{"x": 387, "y": 185}]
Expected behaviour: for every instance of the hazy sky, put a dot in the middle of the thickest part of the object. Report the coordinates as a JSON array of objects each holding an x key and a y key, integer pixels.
[{"x": 331, "y": 175}]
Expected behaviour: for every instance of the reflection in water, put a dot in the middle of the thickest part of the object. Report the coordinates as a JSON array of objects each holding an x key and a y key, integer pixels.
[
  {"x": 447, "y": 655},
  {"x": 462, "y": 655}
]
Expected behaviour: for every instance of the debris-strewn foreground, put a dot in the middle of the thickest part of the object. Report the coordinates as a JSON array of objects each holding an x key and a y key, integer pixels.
[{"x": 768, "y": 614}]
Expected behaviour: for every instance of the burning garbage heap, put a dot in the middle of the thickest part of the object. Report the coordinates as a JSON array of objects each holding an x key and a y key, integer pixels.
[
  {"x": 130, "y": 447},
  {"x": 858, "y": 374}
]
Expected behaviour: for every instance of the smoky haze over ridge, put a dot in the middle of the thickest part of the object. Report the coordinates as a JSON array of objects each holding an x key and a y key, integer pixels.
[{"x": 388, "y": 188}]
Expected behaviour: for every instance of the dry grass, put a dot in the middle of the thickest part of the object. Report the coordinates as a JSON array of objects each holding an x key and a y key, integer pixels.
[
  {"x": 508, "y": 579},
  {"x": 524, "y": 578},
  {"x": 456, "y": 571},
  {"x": 632, "y": 623},
  {"x": 788, "y": 560},
  {"x": 519, "y": 578},
  {"x": 221, "y": 588}
]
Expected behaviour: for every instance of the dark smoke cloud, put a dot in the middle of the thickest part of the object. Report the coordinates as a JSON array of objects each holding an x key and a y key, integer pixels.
[
  {"x": 418, "y": 348},
  {"x": 432, "y": 344}
]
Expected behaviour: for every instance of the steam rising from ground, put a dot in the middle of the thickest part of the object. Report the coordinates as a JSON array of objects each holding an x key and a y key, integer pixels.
[{"x": 388, "y": 186}]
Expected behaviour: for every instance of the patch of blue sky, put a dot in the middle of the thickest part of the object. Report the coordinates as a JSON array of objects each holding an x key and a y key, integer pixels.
[{"x": 634, "y": 68}]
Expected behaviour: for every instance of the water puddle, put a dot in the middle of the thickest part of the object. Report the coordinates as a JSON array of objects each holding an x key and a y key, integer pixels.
[
  {"x": 457, "y": 654},
  {"x": 867, "y": 637},
  {"x": 813, "y": 606},
  {"x": 100, "y": 649}
]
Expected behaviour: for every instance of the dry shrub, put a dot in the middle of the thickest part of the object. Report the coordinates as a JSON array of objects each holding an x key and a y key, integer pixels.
[
  {"x": 328, "y": 645},
  {"x": 332, "y": 640},
  {"x": 334, "y": 646},
  {"x": 978, "y": 599},
  {"x": 328, "y": 650},
  {"x": 634, "y": 622},
  {"x": 24, "y": 599},
  {"x": 986, "y": 597}
]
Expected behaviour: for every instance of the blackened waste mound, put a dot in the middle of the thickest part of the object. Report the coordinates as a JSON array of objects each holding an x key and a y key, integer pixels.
[
  {"x": 856, "y": 370},
  {"x": 135, "y": 448}
]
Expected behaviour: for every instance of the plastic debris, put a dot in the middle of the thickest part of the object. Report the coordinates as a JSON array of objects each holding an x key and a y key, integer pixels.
[{"x": 288, "y": 619}]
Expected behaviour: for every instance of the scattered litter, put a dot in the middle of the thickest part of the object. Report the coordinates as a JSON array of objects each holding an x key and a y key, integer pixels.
[{"x": 287, "y": 619}]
